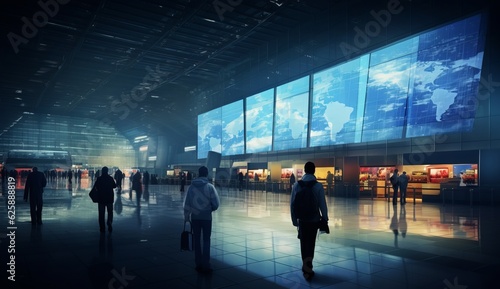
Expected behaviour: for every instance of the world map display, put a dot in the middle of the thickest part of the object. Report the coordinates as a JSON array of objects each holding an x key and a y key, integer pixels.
[
  {"x": 222, "y": 130},
  {"x": 209, "y": 132},
  {"x": 447, "y": 77},
  {"x": 421, "y": 86},
  {"x": 338, "y": 103}
]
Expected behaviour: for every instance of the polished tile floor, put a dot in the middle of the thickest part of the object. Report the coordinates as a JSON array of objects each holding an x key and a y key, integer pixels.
[{"x": 372, "y": 244}]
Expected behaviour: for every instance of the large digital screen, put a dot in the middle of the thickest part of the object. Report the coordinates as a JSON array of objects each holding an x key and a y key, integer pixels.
[
  {"x": 209, "y": 132},
  {"x": 447, "y": 76},
  {"x": 386, "y": 99},
  {"x": 424, "y": 85},
  {"x": 233, "y": 142},
  {"x": 338, "y": 103},
  {"x": 259, "y": 122},
  {"x": 291, "y": 115}
]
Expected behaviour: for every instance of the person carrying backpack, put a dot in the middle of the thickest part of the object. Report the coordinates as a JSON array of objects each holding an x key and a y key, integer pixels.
[{"x": 307, "y": 208}]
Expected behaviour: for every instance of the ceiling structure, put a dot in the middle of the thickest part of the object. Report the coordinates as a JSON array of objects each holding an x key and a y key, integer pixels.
[{"x": 131, "y": 64}]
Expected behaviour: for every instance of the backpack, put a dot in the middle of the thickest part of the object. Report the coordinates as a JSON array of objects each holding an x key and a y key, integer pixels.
[
  {"x": 305, "y": 205},
  {"x": 394, "y": 180}
]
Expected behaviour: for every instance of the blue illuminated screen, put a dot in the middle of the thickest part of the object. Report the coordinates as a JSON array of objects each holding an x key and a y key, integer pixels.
[
  {"x": 424, "y": 85},
  {"x": 338, "y": 103},
  {"x": 421, "y": 86},
  {"x": 233, "y": 142},
  {"x": 259, "y": 122},
  {"x": 209, "y": 132},
  {"x": 291, "y": 115}
]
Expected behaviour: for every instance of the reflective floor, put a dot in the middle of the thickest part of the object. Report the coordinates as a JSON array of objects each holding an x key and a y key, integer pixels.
[{"x": 372, "y": 244}]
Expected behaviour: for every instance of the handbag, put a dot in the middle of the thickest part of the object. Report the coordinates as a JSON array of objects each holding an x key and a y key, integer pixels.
[
  {"x": 323, "y": 226},
  {"x": 94, "y": 195},
  {"x": 187, "y": 237}
]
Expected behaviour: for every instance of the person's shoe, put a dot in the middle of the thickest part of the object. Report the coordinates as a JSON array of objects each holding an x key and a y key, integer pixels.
[
  {"x": 110, "y": 228},
  {"x": 207, "y": 270},
  {"x": 39, "y": 223},
  {"x": 308, "y": 276},
  {"x": 102, "y": 230},
  {"x": 198, "y": 269},
  {"x": 308, "y": 272}
]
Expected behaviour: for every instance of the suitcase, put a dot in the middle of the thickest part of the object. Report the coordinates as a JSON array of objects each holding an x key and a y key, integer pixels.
[{"x": 187, "y": 237}]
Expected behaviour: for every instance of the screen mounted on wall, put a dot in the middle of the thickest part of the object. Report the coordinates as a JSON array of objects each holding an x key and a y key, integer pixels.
[
  {"x": 259, "y": 122},
  {"x": 209, "y": 132},
  {"x": 338, "y": 103},
  {"x": 292, "y": 113},
  {"x": 424, "y": 85},
  {"x": 232, "y": 129}
]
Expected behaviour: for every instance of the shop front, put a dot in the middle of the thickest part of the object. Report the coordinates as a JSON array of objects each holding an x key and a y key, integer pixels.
[{"x": 425, "y": 182}]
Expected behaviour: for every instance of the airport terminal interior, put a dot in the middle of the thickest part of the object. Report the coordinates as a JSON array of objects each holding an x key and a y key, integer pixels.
[
  {"x": 252, "y": 90},
  {"x": 372, "y": 244}
]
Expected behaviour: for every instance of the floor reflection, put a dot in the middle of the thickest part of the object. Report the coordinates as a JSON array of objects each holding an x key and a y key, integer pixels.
[{"x": 372, "y": 244}]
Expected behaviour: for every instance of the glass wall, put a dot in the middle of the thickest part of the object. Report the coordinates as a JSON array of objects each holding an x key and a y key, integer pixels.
[{"x": 89, "y": 142}]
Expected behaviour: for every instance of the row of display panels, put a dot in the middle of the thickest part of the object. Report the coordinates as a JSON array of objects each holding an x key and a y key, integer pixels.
[{"x": 421, "y": 86}]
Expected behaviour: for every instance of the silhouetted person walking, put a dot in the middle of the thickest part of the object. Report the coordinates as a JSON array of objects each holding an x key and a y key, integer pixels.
[
  {"x": 105, "y": 185},
  {"x": 118, "y": 179},
  {"x": 403, "y": 185},
  {"x": 33, "y": 189},
  {"x": 200, "y": 201},
  {"x": 329, "y": 182},
  {"x": 395, "y": 186},
  {"x": 308, "y": 227},
  {"x": 240, "y": 181},
  {"x": 292, "y": 181},
  {"x": 182, "y": 178},
  {"x": 137, "y": 187},
  {"x": 146, "y": 179}
]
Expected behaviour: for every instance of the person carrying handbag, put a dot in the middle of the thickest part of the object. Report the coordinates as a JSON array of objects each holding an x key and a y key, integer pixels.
[{"x": 200, "y": 201}]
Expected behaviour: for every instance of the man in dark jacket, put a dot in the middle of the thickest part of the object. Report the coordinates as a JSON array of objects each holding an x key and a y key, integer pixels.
[
  {"x": 201, "y": 200},
  {"x": 403, "y": 184},
  {"x": 137, "y": 187},
  {"x": 35, "y": 182},
  {"x": 394, "y": 179},
  {"x": 105, "y": 185},
  {"x": 308, "y": 228},
  {"x": 118, "y": 179}
]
